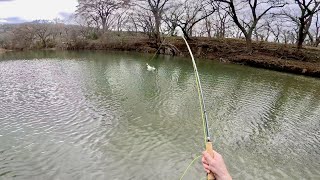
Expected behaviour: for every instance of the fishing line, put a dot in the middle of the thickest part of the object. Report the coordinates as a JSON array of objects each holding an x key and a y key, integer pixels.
[
  {"x": 158, "y": 48},
  {"x": 184, "y": 173}
]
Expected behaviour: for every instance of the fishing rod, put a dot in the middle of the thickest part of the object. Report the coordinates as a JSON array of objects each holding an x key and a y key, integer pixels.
[{"x": 207, "y": 139}]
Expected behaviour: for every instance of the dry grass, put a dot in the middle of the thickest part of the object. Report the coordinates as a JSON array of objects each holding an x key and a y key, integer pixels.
[
  {"x": 267, "y": 55},
  {"x": 3, "y": 50},
  {"x": 279, "y": 57}
]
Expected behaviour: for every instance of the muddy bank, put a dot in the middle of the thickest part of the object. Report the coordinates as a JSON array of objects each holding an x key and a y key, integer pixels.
[
  {"x": 278, "y": 57},
  {"x": 273, "y": 56},
  {"x": 3, "y": 50},
  {"x": 290, "y": 66}
]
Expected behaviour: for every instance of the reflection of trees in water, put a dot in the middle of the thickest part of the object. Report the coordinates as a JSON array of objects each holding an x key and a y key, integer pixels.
[
  {"x": 246, "y": 109},
  {"x": 250, "y": 114},
  {"x": 279, "y": 125},
  {"x": 264, "y": 123},
  {"x": 166, "y": 79},
  {"x": 229, "y": 106},
  {"x": 45, "y": 54},
  {"x": 269, "y": 124},
  {"x": 100, "y": 98},
  {"x": 166, "y": 97},
  {"x": 162, "y": 85}
]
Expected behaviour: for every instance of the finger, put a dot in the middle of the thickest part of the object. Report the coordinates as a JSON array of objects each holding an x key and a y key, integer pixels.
[
  {"x": 207, "y": 157},
  {"x": 206, "y": 168},
  {"x": 207, "y": 171},
  {"x": 204, "y": 161}
]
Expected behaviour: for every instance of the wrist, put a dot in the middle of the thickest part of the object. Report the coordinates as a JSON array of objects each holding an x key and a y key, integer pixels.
[{"x": 225, "y": 177}]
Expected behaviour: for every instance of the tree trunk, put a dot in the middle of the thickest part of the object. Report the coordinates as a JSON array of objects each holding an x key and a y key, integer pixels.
[
  {"x": 223, "y": 32},
  {"x": 249, "y": 44},
  {"x": 157, "y": 26},
  {"x": 317, "y": 42},
  {"x": 208, "y": 28},
  {"x": 104, "y": 24},
  {"x": 300, "y": 37},
  {"x": 173, "y": 29},
  {"x": 285, "y": 39},
  {"x": 44, "y": 42},
  {"x": 190, "y": 32},
  {"x": 186, "y": 34}
]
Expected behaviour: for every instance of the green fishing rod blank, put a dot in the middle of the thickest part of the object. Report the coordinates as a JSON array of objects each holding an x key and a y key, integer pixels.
[
  {"x": 201, "y": 97},
  {"x": 207, "y": 140}
]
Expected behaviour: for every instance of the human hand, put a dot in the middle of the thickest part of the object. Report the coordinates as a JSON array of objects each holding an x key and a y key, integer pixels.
[{"x": 215, "y": 165}]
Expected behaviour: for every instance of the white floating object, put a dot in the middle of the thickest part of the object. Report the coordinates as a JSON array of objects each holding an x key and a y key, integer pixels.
[{"x": 150, "y": 68}]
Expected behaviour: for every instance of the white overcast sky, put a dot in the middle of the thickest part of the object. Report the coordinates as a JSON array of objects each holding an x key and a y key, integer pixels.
[{"x": 16, "y": 11}]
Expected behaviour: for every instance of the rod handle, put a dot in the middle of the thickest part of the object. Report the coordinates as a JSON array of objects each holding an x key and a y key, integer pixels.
[{"x": 209, "y": 149}]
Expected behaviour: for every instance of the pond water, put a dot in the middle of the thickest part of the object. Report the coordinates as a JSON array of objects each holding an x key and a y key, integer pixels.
[{"x": 97, "y": 115}]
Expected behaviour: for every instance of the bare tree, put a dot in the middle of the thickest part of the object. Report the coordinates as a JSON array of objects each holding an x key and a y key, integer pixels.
[
  {"x": 221, "y": 22},
  {"x": 121, "y": 19},
  {"x": 259, "y": 33},
  {"x": 304, "y": 20},
  {"x": 140, "y": 21},
  {"x": 171, "y": 19},
  {"x": 99, "y": 11},
  {"x": 190, "y": 13},
  {"x": 132, "y": 23},
  {"x": 208, "y": 25},
  {"x": 217, "y": 24},
  {"x": 39, "y": 32},
  {"x": 43, "y": 30},
  {"x": 85, "y": 29},
  {"x": 317, "y": 31},
  {"x": 308, "y": 9},
  {"x": 275, "y": 27},
  {"x": 265, "y": 32},
  {"x": 285, "y": 36},
  {"x": 254, "y": 6},
  {"x": 22, "y": 37},
  {"x": 157, "y": 8},
  {"x": 146, "y": 23}
]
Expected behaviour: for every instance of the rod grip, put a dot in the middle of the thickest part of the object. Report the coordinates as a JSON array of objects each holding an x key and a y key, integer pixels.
[{"x": 209, "y": 149}]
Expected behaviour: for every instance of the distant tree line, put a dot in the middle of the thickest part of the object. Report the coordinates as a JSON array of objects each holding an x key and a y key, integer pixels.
[
  {"x": 41, "y": 34},
  {"x": 280, "y": 21}
]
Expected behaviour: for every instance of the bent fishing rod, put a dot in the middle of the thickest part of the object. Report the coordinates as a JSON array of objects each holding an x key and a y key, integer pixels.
[{"x": 207, "y": 139}]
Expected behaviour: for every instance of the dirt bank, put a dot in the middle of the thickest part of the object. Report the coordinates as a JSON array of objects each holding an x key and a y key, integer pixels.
[
  {"x": 2, "y": 50},
  {"x": 279, "y": 57}
]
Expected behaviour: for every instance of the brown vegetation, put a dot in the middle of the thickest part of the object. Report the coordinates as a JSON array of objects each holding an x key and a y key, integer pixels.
[
  {"x": 279, "y": 57},
  {"x": 2, "y": 50},
  {"x": 274, "y": 56},
  {"x": 226, "y": 30}
]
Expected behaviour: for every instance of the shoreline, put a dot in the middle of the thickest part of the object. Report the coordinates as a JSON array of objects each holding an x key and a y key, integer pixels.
[
  {"x": 4, "y": 50},
  {"x": 266, "y": 55},
  {"x": 271, "y": 56}
]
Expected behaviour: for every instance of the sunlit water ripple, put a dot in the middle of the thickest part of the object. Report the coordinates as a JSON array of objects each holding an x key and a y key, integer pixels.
[{"x": 92, "y": 115}]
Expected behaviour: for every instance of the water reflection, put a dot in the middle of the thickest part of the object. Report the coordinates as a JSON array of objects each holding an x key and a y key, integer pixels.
[{"x": 96, "y": 115}]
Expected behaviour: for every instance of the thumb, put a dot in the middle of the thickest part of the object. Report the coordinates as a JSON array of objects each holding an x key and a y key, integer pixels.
[{"x": 207, "y": 157}]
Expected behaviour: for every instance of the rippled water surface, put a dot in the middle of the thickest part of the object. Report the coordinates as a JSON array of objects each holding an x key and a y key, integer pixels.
[{"x": 96, "y": 115}]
